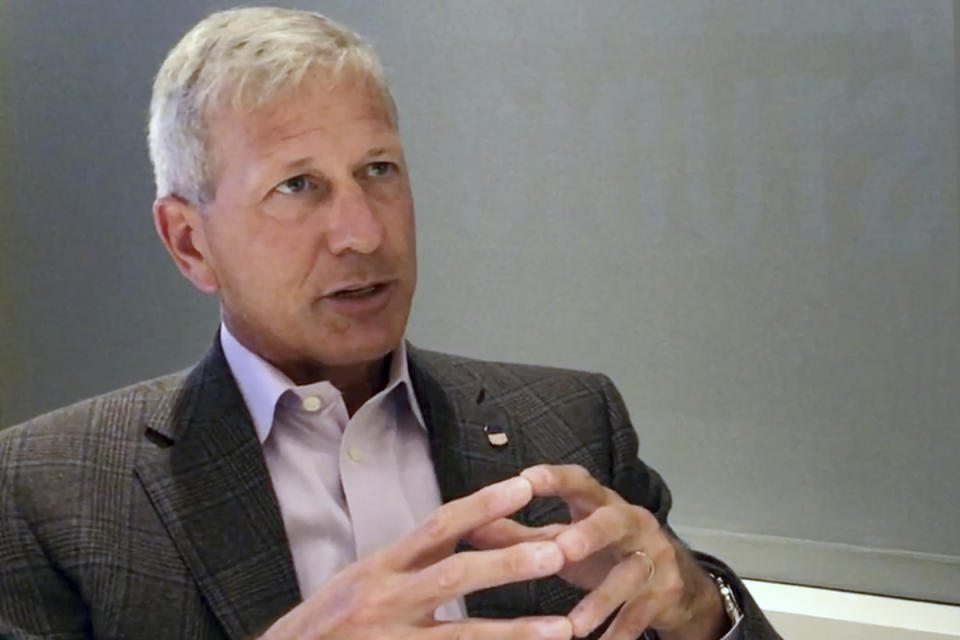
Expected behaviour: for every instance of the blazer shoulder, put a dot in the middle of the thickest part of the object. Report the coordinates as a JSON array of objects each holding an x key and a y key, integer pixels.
[
  {"x": 528, "y": 392},
  {"x": 113, "y": 416},
  {"x": 458, "y": 369}
]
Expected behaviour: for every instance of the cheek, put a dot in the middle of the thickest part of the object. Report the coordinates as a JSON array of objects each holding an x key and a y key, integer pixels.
[
  {"x": 267, "y": 262},
  {"x": 398, "y": 226}
]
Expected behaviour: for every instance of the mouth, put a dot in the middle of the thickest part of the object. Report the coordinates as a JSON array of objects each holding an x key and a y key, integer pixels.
[
  {"x": 361, "y": 300},
  {"x": 358, "y": 292}
]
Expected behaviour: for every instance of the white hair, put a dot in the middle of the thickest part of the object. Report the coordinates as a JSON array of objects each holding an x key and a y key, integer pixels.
[{"x": 247, "y": 59}]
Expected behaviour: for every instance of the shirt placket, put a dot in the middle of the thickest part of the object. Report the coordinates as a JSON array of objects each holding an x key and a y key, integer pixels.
[{"x": 372, "y": 481}]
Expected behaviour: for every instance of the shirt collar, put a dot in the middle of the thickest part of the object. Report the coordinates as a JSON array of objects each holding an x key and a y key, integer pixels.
[
  {"x": 261, "y": 384},
  {"x": 400, "y": 375}
]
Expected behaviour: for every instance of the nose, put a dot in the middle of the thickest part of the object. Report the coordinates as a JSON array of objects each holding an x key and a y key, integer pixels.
[{"x": 353, "y": 224}]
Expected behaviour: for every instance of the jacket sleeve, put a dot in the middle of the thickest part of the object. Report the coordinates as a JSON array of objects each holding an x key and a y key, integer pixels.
[
  {"x": 641, "y": 485},
  {"x": 36, "y": 600}
]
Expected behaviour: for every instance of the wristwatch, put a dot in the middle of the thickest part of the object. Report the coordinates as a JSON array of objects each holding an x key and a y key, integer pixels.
[{"x": 728, "y": 599}]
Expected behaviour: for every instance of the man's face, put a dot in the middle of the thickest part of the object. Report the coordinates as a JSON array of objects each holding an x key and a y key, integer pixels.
[{"x": 310, "y": 235}]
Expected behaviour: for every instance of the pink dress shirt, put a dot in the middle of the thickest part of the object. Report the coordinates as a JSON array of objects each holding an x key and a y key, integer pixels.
[{"x": 346, "y": 486}]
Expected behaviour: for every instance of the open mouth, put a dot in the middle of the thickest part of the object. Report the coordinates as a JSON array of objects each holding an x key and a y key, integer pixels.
[{"x": 362, "y": 292}]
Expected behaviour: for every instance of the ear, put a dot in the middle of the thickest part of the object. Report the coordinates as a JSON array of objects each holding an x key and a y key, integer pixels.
[{"x": 181, "y": 229}]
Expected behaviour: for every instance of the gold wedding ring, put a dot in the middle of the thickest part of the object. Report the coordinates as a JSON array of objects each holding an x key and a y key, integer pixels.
[{"x": 651, "y": 568}]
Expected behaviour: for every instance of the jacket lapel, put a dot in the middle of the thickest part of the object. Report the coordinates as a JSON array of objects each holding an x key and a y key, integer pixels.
[
  {"x": 461, "y": 418},
  {"x": 206, "y": 477}
]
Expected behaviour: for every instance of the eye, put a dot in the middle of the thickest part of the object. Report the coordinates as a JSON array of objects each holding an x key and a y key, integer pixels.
[
  {"x": 296, "y": 184},
  {"x": 378, "y": 169}
]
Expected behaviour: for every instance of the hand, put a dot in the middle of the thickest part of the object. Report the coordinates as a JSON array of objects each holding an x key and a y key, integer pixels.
[
  {"x": 394, "y": 592},
  {"x": 667, "y": 591}
]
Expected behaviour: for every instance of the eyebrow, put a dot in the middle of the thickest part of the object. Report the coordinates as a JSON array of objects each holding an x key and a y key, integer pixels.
[
  {"x": 300, "y": 163},
  {"x": 306, "y": 161}
]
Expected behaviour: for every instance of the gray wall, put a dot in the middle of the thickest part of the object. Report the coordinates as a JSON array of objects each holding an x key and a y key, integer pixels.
[{"x": 745, "y": 212}]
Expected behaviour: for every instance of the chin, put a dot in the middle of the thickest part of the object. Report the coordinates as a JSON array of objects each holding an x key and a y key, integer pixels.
[{"x": 358, "y": 351}]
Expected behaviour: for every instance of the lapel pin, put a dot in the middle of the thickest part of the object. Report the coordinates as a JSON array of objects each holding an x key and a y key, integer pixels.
[{"x": 496, "y": 436}]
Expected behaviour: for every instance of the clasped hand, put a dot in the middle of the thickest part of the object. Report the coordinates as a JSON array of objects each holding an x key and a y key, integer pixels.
[{"x": 394, "y": 592}]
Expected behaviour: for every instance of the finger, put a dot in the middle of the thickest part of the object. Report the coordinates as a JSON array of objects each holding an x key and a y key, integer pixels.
[
  {"x": 631, "y": 621},
  {"x": 506, "y": 532},
  {"x": 626, "y": 581},
  {"x": 571, "y": 482},
  {"x": 438, "y": 535},
  {"x": 530, "y": 628},
  {"x": 470, "y": 571},
  {"x": 604, "y": 527}
]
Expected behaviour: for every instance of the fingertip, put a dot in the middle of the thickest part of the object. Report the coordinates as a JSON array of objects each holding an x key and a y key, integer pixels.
[
  {"x": 550, "y": 558},
  {"x": 575, "y": 632},
  {"x": 581, "y": 622},
  {"x": 538, "y": 475},
  {"x": 519, "y": 489},
  {"x": 556, "y": 629},
  {"x": 572, "y": 545},
  {"x": 580, "y": 627}
]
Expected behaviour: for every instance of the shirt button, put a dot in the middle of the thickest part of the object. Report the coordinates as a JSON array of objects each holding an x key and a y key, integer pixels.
[
  {"x": 354, "y": 454},
  {"x": 311, "y": 403}
]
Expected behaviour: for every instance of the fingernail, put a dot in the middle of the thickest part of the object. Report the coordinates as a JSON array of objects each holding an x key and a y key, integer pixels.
[
  {"x": 548, "y": 556},
  {"x": 559, "y": 629},
  {"x": 534, "y": 475},
  {"x": 519, "y": 489}
]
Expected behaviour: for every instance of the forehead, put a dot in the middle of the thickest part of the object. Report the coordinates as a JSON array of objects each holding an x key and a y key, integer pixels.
[{"x": 316, "y": 105}]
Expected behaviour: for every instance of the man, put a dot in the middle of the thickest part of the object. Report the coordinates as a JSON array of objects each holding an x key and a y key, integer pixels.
[{"x": 313, "y": 476}]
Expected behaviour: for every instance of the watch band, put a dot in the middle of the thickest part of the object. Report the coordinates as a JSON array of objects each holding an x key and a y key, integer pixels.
[{"x": 728, "y": 599}]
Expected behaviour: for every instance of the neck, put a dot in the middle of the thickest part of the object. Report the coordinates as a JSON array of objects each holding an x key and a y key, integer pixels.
[{"x": 357, "y": 382}]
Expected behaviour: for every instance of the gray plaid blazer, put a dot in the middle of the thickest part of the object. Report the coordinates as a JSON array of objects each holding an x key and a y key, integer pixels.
[{"x": 148, "y": 512}]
